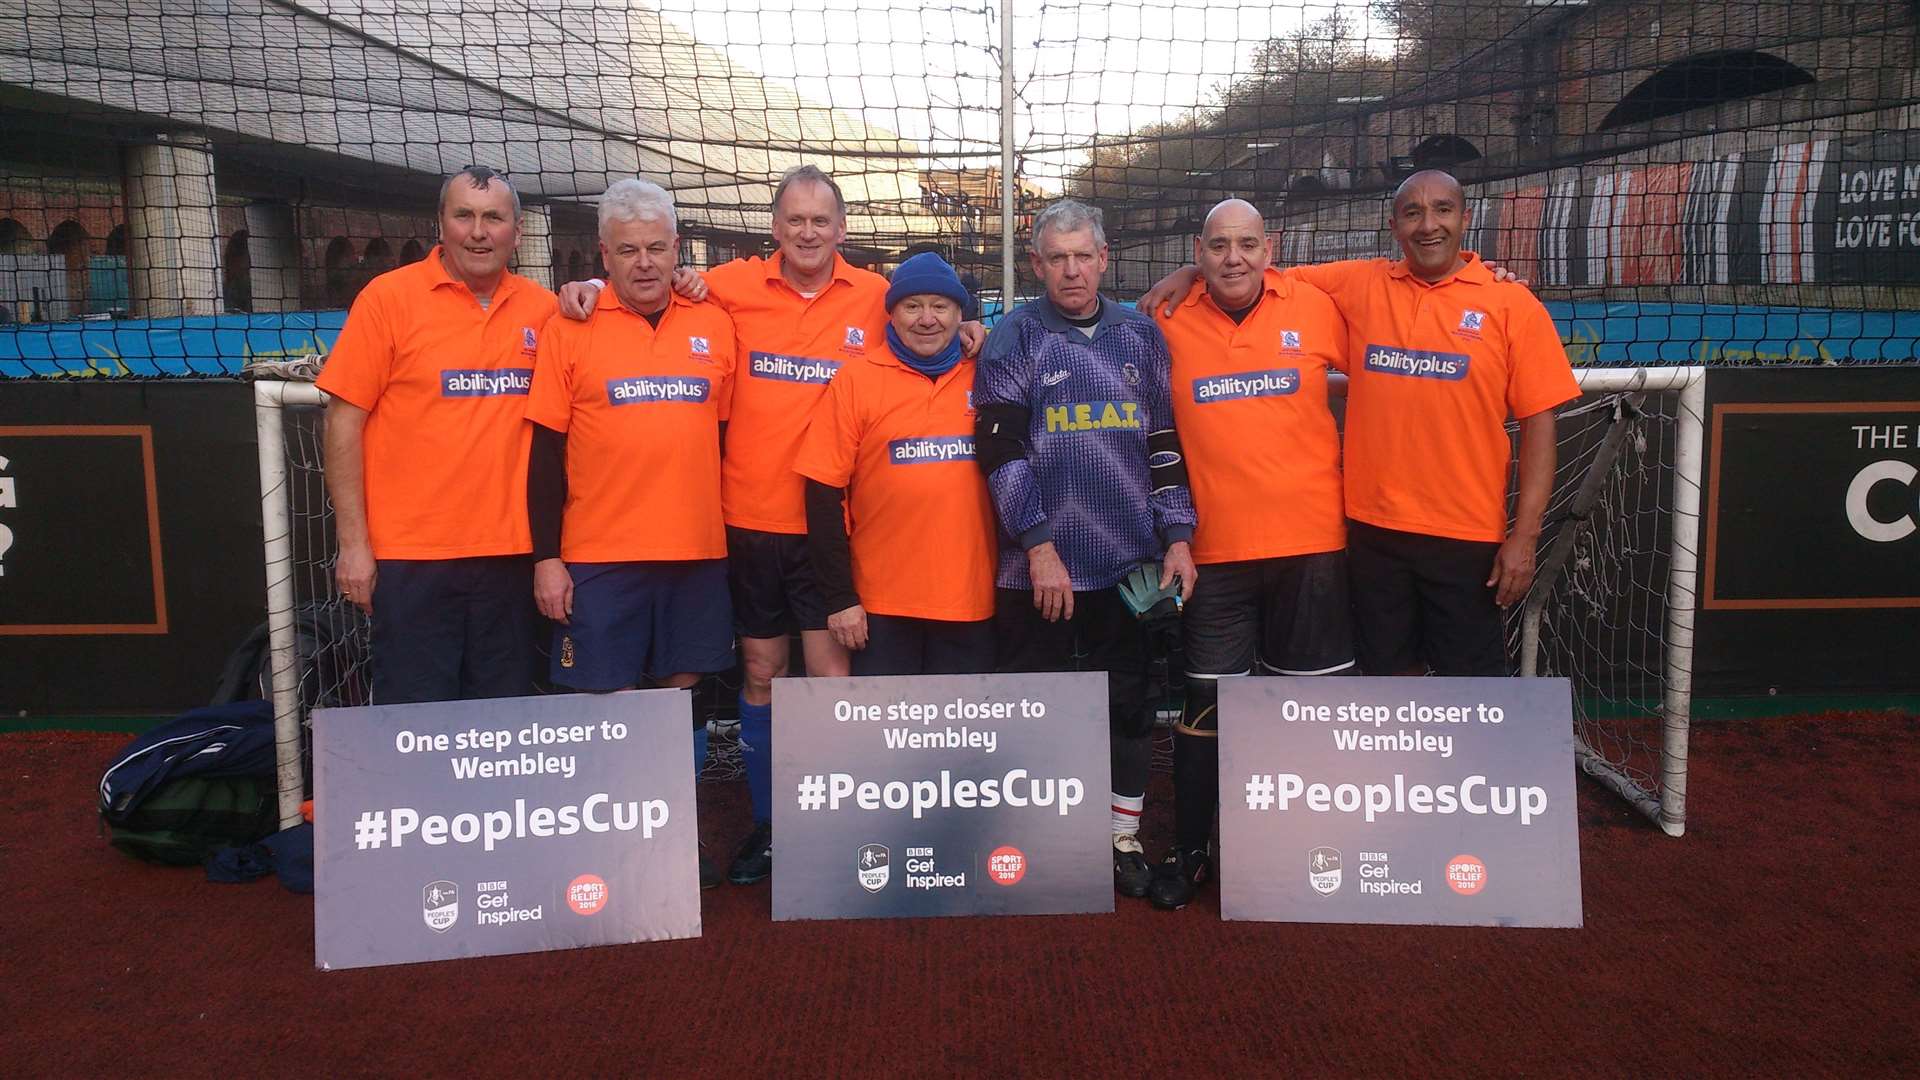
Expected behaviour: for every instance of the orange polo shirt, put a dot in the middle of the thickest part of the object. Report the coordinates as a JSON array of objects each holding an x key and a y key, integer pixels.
[
  {"x": 920, "y": 521},
  {"x": 1250, "y": 404},
  {"x": 1436, "y": 369},
  {"x": 641, "y": 408},
  {"x": 790, "y": 349},
  {"x": 444, "y": 382}
]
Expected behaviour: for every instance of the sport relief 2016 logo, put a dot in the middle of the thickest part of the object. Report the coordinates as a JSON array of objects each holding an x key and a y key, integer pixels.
[
  {"x": 1466, "y": 874},
  {"x": 1323, "y": 870},
  {"x": 440, "y": 905},
  {"x": 1006, "y": 865},
  {"x": 872, "y": 865},
  {"x": 479, "y": 382},
  {"x": 588, "y": 894},
  {"x": 1419, "y": 363}
]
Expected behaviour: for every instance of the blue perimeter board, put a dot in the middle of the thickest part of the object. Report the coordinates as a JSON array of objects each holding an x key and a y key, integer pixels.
[{"x": 1597, "y": 333}]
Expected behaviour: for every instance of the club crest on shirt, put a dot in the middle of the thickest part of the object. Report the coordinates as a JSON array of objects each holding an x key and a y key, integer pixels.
[
  {"x": 1470, "y": 322},
  {"x": 856, "y": 338},
  {"x": 1290, "y": 339},
  {"x": 700, "y": 346},
  {"x": 528, "y": 343},
  {"x": 1130, "y": 373}
]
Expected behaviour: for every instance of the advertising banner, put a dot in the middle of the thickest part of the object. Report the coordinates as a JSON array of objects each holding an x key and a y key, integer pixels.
[
  {"x": 477, "y": 828},
  {"x": 1398, "y": 800},
  {"x": 130, "y": 552},
  {"x": 942, "y": 795}
]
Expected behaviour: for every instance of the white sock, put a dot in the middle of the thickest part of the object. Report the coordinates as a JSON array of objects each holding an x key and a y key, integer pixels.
[{"x": 1126, "y": 813}]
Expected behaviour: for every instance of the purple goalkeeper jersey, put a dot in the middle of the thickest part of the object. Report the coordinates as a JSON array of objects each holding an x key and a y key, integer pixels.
[{"x": 1084, "y": 482}]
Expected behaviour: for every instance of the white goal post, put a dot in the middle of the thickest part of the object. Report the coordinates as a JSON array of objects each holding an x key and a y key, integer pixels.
[{"x": 1612, "y": 607}]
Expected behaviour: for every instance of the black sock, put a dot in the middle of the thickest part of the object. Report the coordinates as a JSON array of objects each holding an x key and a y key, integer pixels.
[{"x": 1196, "y": 788}]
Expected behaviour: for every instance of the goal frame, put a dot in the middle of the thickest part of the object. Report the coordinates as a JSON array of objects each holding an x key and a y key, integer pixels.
[{"x": 1668, "y": 809}]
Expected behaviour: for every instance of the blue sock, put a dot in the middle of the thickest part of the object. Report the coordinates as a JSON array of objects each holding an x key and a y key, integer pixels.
[
  {"x": 699, "y": 749},
  {"x": 756, "y": 753}
]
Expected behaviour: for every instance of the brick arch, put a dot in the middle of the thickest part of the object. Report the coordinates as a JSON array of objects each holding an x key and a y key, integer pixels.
[
  {"x": 1703, "y": 81},
  {"x": 14, "y": 238}
]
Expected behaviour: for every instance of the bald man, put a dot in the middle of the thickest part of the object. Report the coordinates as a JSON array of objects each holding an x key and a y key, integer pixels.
[
  {"x": 1251, "y": 352},
  {"x": 1442, "y": 353}
]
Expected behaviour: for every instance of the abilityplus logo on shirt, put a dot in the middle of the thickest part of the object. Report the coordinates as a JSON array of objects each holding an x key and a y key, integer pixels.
[
  {"x": 484, "y": 383},
  {"x": 1419, "y": 363},
  {"x": 801, "y": 369},
  {"x": 648, "y": 388},
  {"x": 1273, "y": 382}
]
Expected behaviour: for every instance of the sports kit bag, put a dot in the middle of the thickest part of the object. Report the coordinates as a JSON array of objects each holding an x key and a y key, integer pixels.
[{"x": 193, "y": 785}]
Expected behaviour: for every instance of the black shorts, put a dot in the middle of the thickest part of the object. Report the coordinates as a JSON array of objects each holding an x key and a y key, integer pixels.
[
  {"x": 1424, "y": 600},
  {"x": 1292, "y": 614},
  {"x": 775, "y": 591},
  {"x": 448, "y": 629}
]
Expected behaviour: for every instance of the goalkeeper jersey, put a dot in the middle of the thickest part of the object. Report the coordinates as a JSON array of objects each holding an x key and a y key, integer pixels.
[{"x": 1083, "y": 483}]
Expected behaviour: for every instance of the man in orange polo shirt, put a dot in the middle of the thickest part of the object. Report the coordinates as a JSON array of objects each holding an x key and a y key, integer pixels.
[
  {"x": 891, "y": 449},
  {"x": 1251, "y": 352},
  {"x": 624, "y": 483},
  {"x": 800, "y": 316},
  {"x": 1442, "y": 352},
  {"x": 426, "y": 455}
]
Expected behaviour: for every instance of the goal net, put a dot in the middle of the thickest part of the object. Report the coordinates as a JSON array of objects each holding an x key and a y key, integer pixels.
[
  {"x": 320, "y": 643},
  {"x": 1612, "y": 604}
]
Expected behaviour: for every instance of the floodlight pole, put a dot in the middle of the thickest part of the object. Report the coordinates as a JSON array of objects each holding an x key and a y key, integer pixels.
[{"x": 1006, "y": 156}]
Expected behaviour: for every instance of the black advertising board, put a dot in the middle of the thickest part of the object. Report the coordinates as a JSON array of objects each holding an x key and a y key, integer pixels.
[
  {"x": 1810, "y": 573},
  {"x": 130, "y": 561}
]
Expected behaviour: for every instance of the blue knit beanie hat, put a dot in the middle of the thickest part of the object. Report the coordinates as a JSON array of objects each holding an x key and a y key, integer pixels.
[{"x": 926, "y": 273}]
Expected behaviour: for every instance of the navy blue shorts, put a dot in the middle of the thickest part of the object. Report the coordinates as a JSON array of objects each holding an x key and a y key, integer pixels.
[
  {"x": 447, "y": 629},
  {"x": 635, "y": 621}
]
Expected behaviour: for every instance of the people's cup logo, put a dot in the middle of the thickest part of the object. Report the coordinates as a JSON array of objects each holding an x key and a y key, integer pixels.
[
  {"x": 1323, "y": 870},
  {"x": 440, "y": 905},
  {"x": 873, "y": 864}
]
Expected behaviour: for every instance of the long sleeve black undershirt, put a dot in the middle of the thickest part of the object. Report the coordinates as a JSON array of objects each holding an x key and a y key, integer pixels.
[
  {"x": 546, "y": 490},
  {"x": 828, "y": 544}
]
